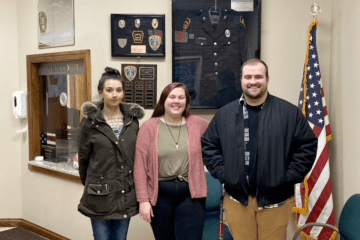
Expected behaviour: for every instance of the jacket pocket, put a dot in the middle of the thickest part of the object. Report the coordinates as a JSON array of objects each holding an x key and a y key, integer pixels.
[
  {"x": 98, "y": 189},
  {"x": 99, "y": 198}
]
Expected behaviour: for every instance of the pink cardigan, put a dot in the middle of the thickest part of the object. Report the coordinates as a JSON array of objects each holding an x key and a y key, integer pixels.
[{"x": 146, "y": 170}]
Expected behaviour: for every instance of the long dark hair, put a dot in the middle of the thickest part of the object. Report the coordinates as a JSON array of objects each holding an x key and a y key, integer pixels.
[{"x": 160, "y": 109}]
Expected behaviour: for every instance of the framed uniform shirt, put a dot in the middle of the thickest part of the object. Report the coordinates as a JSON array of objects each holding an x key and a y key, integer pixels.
[{"x": 211, "y": 40}]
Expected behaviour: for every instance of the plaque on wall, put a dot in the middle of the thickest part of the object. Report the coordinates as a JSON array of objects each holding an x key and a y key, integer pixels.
[
  {"x": 211, "y": 41},
  {"x": 140, "y": 84},
  {"x": 137, "y": 35}
]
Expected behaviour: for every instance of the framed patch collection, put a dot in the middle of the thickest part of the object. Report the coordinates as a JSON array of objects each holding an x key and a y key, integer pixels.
[
  {"x": 137, "y": 35},
  {"x": 211, "y": 40}
]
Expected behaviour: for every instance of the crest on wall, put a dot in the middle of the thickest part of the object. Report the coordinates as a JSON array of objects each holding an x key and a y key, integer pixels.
[
  {"x": 130, "y": 72},
  {"x": 154, "y": 42},
  {"x": 122, "y": 42}
]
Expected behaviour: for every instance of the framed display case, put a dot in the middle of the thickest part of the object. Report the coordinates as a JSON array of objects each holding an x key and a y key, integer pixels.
[
  {"x": 137, "y": 35},
  {"x": 211, "y": 40}
]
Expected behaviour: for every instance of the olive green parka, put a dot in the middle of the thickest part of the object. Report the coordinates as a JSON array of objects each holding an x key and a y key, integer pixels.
[{"x": 106, "y": 163}]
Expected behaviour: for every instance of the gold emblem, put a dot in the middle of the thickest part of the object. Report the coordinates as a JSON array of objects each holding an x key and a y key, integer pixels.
[
  {"x": 154, "y": 42},
  {"x": 137, "y": 23},
  {"x": 242, "y": 21},
  {"x": 121, "y": 23},
  {"x": 155, "y": 23},
  {"x": 138, "y": 36},
  {"x": 130, "y": 72},
  {"x": 186, "y": 24}
]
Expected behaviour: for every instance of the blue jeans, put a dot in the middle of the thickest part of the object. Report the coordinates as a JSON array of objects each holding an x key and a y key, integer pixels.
[
  {"x": 177, "y": 216},
  {"x": 110, "y": 229}
]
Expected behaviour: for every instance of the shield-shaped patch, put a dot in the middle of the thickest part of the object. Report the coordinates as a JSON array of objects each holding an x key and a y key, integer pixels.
[
  {"x": 154, "y": 42},
  {"x": 122, "y": 42},
  {"x": 130, "y": 72}
]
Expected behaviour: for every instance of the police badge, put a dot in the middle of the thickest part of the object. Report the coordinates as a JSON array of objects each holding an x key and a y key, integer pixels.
[
  {"x": 227, "y": 33},
  {"x": 154, "y": 42},
  {"x": 138, "y": 36},
  {"x": 137, "y": 23},
  {"x": 122, "y": 42},
  {"x": 155, "y": 23},
  {"x": 130, "y": 72},
  {"x": 121, "y": 23}
]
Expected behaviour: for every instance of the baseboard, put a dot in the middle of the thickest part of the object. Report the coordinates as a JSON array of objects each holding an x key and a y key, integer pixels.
[{"x": 18, "y": 222}]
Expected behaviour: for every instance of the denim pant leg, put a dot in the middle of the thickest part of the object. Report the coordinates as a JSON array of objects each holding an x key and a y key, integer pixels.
[
  {"x": 110, "y": 229},
  {"x": 120, "y": 229}
]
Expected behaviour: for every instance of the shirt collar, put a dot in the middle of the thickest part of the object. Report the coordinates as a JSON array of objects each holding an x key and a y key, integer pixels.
[{"x": 242, "y": 101}]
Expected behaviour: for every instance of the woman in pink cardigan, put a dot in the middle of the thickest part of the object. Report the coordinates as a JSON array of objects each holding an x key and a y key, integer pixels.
[{"x": 169, "y": 171}]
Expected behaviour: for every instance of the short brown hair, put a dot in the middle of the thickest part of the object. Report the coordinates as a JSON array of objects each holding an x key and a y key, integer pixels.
[
  {"x": 160, "y": 109},
  {"x": 252, "y": 61}
]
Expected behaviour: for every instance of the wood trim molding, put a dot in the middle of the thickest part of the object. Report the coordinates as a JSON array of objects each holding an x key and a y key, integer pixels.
[{"x": 18, "y": 222}]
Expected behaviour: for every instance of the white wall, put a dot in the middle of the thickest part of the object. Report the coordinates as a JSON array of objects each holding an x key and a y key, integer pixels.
[
  {"x": 345, "y": 114},
  {"x": 52, "y": 203},
  {"x": 10, "y": 173}
]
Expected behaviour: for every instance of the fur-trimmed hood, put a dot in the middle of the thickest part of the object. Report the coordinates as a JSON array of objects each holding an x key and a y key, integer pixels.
[{"x": 90, "y": 109}]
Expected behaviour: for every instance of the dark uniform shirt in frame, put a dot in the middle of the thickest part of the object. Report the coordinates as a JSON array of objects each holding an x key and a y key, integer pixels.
[{"x": 221, "y": 48}]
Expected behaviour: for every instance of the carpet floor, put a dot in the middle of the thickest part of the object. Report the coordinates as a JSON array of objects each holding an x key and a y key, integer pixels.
[{"x": 20, "y": 234}]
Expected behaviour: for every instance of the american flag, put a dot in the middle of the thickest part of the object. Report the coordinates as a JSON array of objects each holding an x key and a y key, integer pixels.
[
  {"x": 313, "y": 197},
  {"x": 48, "y": 138}
]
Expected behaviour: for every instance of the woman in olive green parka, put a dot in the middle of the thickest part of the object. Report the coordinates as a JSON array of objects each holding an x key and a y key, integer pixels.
[{"x": 106, "y": 147}]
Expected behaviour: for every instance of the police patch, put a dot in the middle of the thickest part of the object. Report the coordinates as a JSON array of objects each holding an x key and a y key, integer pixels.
[
  {"x": 159, "y": 33},
  {"x": 181, "y": 37},
  {"x": 122, "y": 42},
  {"x": 154, "y": 42},
  {"x": 130, "y": 72}
]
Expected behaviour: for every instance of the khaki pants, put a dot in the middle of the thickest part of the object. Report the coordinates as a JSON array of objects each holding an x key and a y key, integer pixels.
[{"x": 250, "y": 223}]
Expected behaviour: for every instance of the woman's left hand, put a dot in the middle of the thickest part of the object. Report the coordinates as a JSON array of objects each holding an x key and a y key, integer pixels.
[{"x": 146, "y": 211}]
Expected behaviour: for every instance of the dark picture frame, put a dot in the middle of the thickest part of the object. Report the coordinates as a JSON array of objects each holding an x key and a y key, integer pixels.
[
  {"x": 211, "y": 40},
  {"x": 140, "y": 35}
]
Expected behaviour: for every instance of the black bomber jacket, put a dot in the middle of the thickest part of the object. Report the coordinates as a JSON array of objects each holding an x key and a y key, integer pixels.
[{"x": 286, "y": 150}]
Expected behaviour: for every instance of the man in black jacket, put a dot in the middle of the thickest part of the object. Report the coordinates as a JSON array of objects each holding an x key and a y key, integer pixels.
[{"x": 258, "y": 147}]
